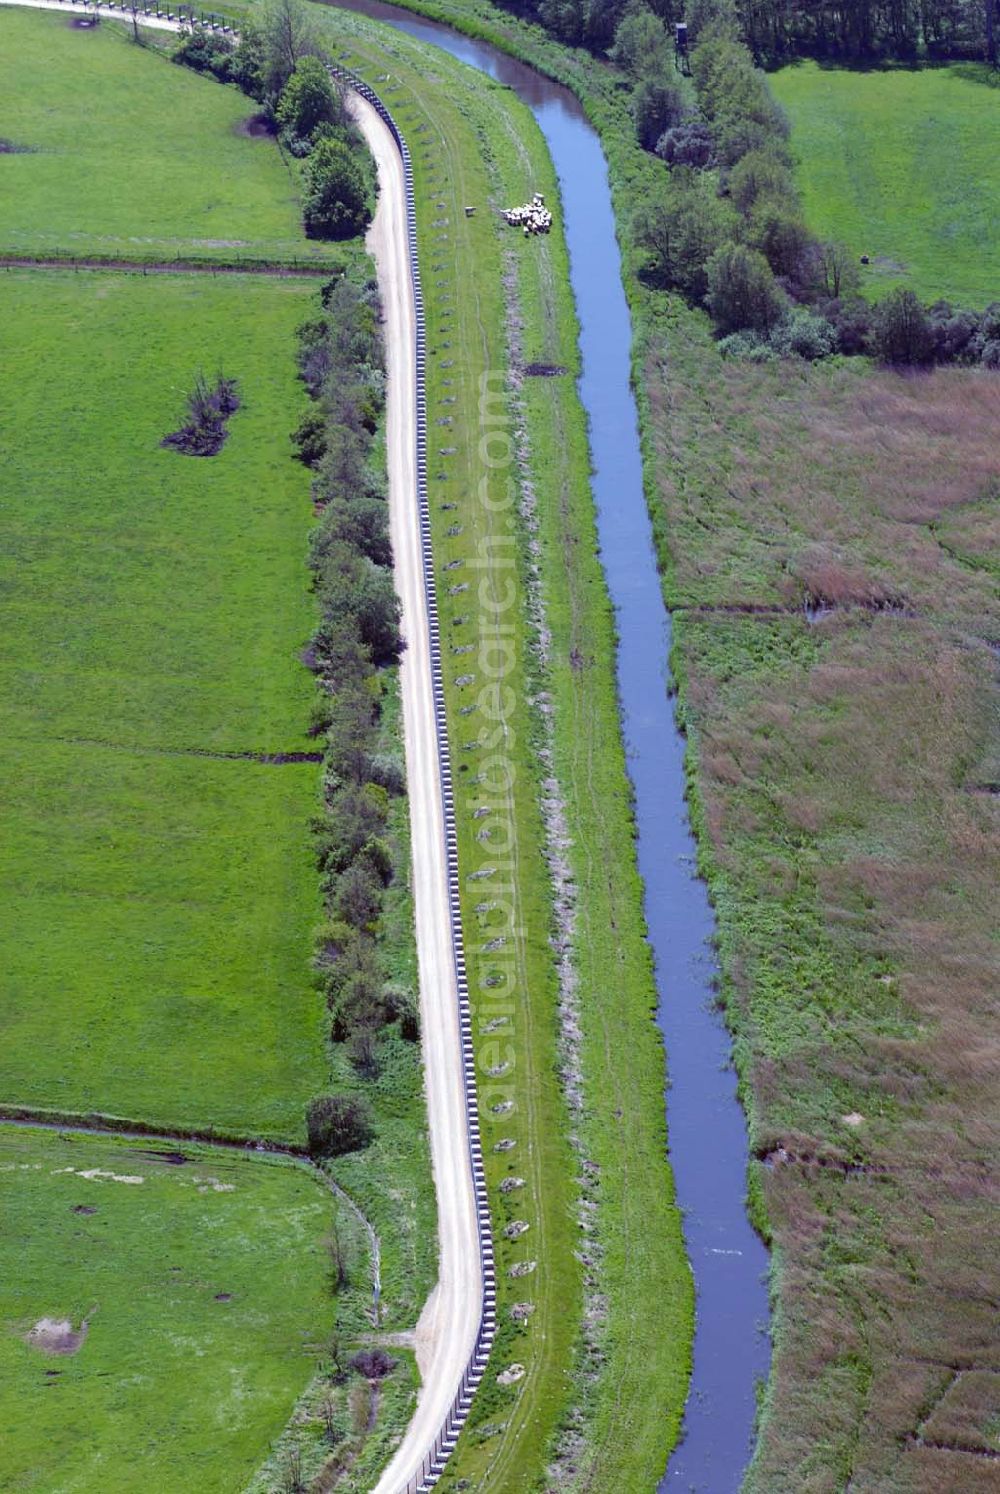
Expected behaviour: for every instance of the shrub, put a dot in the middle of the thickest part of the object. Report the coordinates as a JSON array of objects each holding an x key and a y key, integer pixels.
[
  {"x": 687, "y": 144},
  {"x": 748, "y": 347},
  {"x": 363, "y": 523},
  {"x": 308, "y": 100},
  {"x": 335, "y": 202},
  {"x": 373, "y": 1364},
  {"x": 337, "y": 1124},
  {"x": 205, "y": 52},
  {"x": 309, "y": 438},
  {"x": 901, "y": 330},
  {"x": 804, "y": 335},
  {"x": 742, "y": 294}
]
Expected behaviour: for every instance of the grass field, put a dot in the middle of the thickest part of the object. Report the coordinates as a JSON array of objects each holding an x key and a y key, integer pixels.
[
  {"x": 204, "y": 1291},
  {"x": 120, "y": 156},
  {"x": 902, "y": 165},
  {"x": 159, "y": 899}
]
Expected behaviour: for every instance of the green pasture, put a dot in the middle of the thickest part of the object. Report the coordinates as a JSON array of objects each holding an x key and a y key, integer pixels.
[
  {"x": 206, "y": 1300},
  {"x": 120, "y": 154},
  {"x": 903, "y": 166},
  {"x": 159, "y": 894}
]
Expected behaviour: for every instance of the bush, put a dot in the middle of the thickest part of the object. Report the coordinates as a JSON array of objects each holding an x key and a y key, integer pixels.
[
  {"x": 742, "y": 294},
  {"x": 205, "y": 52},
  {"x": 337, "y": 1124},
  {"x": 804, "y": 335},
  {"x": 308, "y": 100},
  {"x": 335, "y": 201},
  {"x": 687, "y": 144},
  {"x": 748, "y": 347},
  {"x": 901, "y": 330}
]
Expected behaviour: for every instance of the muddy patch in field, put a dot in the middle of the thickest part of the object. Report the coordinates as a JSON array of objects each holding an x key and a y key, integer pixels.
[
  {"x": 80, "y": 23},
  {"x": 57, "y": 1336},
  {"x": 172, "y": 1159},
  {"x": 84, "y": 1209},
  {"x": 12, "y": 148},
  {"x": 258, "y": 127}
]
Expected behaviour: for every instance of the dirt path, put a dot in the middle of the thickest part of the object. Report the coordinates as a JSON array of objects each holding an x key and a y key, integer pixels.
[{"x": 446, "y": 1333}]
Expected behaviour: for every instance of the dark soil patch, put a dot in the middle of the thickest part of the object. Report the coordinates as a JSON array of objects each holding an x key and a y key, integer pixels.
[
  {"x": 223, "y": 1296},
  {"x": 84, "y": 1209},
  {"x": 258, "y": 127},
  {"x": 11, "y": 148},
  {"x": 544, "y": 370},
  {"x": 172, "y": 1159},
  {"x": 80, "y": 23}
]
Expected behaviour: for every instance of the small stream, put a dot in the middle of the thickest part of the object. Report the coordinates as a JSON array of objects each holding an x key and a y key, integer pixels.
[{"x": 708, "y": 1146}]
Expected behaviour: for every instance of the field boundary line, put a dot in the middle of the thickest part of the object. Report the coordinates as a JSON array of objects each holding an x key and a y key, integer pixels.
[
  {"x": 281, "y": 269},
  {"x": 96, "y": 1123}
]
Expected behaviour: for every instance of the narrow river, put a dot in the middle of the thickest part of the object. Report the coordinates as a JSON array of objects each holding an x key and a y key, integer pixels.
[{"x": 708, "y": 1146}]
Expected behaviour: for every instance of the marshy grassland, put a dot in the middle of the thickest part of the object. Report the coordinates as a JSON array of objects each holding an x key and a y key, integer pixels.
[{"x": 901, "y": 164}]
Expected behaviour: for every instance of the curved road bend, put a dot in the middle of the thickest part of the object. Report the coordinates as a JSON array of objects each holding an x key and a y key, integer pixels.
[{"x": 446, "y": 1333}]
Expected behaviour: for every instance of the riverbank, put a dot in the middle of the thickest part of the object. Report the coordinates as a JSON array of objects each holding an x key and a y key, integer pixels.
[{"x": 600, "y": 1216}]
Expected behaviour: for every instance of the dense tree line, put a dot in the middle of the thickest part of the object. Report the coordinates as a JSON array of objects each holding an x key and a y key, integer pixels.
[
  {"x": 863, "y": 30},
  {"x": 340, "y": 362}
]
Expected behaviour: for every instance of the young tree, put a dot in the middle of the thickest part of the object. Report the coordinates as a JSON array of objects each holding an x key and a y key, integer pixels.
[
  {"x": 681, "y": 224},
  {"x": 335, "y": 204},
  {"x": 309, "y": 99},
  {"x": 288, "y": 33},
  {"x": 742, "y": 295},
  {"x": 902, "y": 331},
  {"x": 640, "y": 42},
  {"x": 338, "y": 1124},
  {"x": 656, "y": 105},
  {"x": 839, "y": 270}
]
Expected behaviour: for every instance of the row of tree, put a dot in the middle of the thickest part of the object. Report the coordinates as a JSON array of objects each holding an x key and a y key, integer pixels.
[
  {"x": 340, "y": 361},
  {"x": 775, "y": 29}
]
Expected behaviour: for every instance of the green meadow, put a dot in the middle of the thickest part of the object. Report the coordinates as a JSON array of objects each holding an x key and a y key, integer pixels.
[
  {"x": 117, "y": 155},
  {"x": 159, "y": 889},
  {"x": 203, "y": 1289},
  {"x": 902, "y": 165}
]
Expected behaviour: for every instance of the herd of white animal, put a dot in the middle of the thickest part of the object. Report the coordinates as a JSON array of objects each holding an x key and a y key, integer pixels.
[{"x": 532, "y": 217}]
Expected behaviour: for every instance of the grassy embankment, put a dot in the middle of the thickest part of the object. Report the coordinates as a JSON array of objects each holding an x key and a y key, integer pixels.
[
  {"x": 160, "y": 883},
  {"x": 902, "y": 165},
  {"x": 843, "y": 790},
  {"x": 474, "y": 144},
  {"x": 119, "y": 157}
]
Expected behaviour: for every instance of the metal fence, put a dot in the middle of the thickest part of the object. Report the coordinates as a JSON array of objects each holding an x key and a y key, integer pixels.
[
  {"x": 444, "y": 1443},
  {"x": 184, "y": 15}
]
